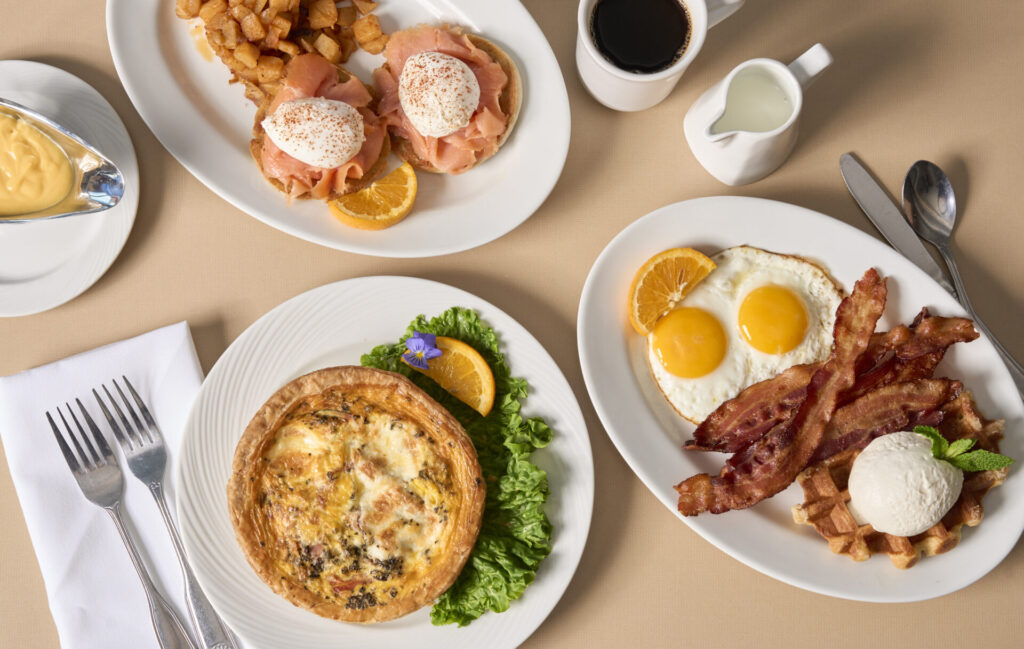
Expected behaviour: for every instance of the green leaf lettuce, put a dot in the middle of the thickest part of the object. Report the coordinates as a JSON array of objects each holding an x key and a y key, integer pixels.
[{"x": 515, "y": 535}]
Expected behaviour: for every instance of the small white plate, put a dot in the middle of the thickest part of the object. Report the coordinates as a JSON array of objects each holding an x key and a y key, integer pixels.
[
  {"x": 334, "y": 325},
  {"x": 648, "y": 433},
  {"x": 206, "y": 124},
  {"x": 44, "y": 264}
]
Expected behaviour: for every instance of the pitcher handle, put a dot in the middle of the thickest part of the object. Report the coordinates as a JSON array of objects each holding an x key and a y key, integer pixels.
[
  {"x": 810, "y": 64},
  {"x": 719, "y": 10}
]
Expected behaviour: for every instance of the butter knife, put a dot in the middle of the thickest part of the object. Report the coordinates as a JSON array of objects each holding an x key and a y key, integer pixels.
[{"x": 884, "y": 214}]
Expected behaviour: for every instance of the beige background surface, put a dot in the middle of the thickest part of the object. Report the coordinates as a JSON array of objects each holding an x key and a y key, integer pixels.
[{"x": 940, "y": 80}]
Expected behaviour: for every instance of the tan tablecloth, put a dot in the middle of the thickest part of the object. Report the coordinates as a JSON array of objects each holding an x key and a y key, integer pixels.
[{"x": 941, "y": 80}]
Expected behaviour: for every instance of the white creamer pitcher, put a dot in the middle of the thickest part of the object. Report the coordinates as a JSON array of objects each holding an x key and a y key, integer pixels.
[{"x": 745, "y": 126}]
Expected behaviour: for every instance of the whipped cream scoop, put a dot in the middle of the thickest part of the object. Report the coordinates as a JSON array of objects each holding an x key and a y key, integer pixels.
[
  {"x": 317, "y": 131},
  {"x": 898, "y": 486},
  {"x": 438, "y": 93}
]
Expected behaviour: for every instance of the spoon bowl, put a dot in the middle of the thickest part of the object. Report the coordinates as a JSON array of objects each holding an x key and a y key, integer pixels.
[
  {"x": 929, "y": 202},
  {"x": 929, "y": 205}
]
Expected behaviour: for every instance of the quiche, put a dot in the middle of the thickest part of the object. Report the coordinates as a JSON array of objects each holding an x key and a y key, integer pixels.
[{"x": 355, "y": 495}]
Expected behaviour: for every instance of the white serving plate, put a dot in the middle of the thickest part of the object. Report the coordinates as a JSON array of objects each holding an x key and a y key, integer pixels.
[
  {"x": 334, "y": 325},
  {"x": 206, "y": 123},
  {"x": 648, "y": 433}
]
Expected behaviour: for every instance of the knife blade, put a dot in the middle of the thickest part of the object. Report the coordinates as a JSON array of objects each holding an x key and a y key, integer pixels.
[{"x": 884, "y": 214}]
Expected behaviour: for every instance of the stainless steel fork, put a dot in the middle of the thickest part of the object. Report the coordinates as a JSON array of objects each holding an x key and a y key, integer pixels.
[
  {"x": 99, "y": 477},
  {"x": 143, "y": 447}
]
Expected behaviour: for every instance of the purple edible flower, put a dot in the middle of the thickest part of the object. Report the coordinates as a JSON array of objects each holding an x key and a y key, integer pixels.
[{"x": 422, "y": 347}]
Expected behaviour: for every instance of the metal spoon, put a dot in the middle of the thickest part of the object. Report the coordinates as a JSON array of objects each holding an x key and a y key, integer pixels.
[{"x": 930, "y": 208}]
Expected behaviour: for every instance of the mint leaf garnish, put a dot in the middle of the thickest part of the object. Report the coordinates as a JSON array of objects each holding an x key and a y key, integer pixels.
[
  {"x": 980, "y": 460},
  {"x": 939, "y": 443},
  {"x": 957, "y": 453},
  {"x": 959, "y": 447}
]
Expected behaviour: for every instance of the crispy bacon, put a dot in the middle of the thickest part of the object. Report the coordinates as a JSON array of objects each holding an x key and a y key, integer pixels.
[
  {"x": 774, "y": 460},
  {"x": 897, "y": 406},
  {"x": 916, "y": 351},
  {"x": 743, "y": 420}
]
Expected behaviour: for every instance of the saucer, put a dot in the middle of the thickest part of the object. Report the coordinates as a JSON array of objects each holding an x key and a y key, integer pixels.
[{"x": 44, "y": 264}]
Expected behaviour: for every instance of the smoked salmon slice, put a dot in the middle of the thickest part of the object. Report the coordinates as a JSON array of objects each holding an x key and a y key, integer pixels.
[
  {"x": 461, "y": 150},
  {"x": 311, "y": 75}
]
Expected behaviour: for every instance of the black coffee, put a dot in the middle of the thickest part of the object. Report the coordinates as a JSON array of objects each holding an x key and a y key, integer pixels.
[{"x": 640, "y": 35}]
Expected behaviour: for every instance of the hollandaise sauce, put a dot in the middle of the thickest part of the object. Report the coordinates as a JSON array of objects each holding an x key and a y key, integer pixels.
[{"x": 35, "y": 173}]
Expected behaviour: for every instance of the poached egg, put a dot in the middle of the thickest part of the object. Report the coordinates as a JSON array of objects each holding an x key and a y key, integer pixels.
[
  {"x": 438, "y": 93},
  {"x": 317, "y": 131}
]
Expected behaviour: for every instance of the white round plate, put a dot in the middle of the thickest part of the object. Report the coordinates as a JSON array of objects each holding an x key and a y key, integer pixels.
[
  {"x": 206, "y": 124},
  {"x": 44, "y": 264},
  {"x": 649, "y": 434},
  {"x": 334, "y": 325}
]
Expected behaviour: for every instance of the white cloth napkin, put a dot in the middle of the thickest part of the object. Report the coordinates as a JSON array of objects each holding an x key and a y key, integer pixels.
[{"x": 95, "y": 596}]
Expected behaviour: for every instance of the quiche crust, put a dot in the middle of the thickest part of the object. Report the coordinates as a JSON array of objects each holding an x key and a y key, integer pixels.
[{"x": 355, "y": 495}]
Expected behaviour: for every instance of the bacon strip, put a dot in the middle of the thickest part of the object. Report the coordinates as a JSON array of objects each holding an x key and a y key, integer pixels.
[
  {"x": 897, "y": 406},
  {"x": 783, "y": 452},
  {"x": 917, "y": 350}
]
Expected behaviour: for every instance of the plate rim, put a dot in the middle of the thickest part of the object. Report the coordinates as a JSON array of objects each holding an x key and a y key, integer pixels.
[
  {"x": 126, "y": 210},
  {"x": 177, "y": 147},
  {"x": 589, "y": 297},
  {"x": 253, "y": 331}
]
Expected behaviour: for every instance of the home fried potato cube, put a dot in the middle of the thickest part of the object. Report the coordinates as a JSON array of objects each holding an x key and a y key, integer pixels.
[
  {"x": 253, "y": 28},
  {"x": 232, "y": 34},
  {"x": 376, "y": 46},
  {"x": 269, "y": 68},
  {"x": 281, "y": 25},
  {"x": 328, "y": 47},
  {"x": 288, "y": 47},
  {"x": 248, "y": 54},
  {"x": 187, "y": 8},
  {"x": 211, "y": 8},
  {"x": 322, "y": 13},
  {"x": 366, "y": 29},
  {"x": 364, "y": 6},
  {"x": 347, "y": 16}
]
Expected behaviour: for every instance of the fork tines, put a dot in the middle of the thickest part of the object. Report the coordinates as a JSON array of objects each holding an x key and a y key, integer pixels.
[
  {"x": 80, "y": 458},
  {"x": 140, "y": 435}
]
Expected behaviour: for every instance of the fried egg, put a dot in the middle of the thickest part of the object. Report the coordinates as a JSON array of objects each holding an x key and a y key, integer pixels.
[{"x": 757, "y": 314}]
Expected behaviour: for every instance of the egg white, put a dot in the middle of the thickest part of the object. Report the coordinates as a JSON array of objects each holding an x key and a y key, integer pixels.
[{"x": 738, "y": 271}]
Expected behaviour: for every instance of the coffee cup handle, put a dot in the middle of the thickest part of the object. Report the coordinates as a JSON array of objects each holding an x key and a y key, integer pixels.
[
  {"x": 810, "y": 64},
  {"x": 719, "y": 10}
]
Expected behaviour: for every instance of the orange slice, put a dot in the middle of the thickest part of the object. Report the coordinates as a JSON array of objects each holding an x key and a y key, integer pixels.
[
  {"x": 662, "y": 282},
  {"x": 384, "y": 203},
  {"x": 462, "y": 372}
]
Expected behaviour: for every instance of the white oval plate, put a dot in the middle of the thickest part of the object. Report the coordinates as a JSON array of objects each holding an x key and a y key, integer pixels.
[
  {"x": 648, "y": 433},
  {"x": 206, "y": 125},
  {"x": 44, "y": 264},
  {"x": 334, "y": 325}
]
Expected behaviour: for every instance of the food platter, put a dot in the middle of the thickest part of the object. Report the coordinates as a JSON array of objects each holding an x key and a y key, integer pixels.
[
  {"x": 206, "y": 123},
  {"x": 334, "y": 325},
  {"x": 648, "y": 434}
]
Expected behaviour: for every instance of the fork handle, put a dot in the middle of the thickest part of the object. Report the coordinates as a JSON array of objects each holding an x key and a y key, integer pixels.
[
  {"x": 169, "y": 630},
  {"x": 212, "y": 632}
]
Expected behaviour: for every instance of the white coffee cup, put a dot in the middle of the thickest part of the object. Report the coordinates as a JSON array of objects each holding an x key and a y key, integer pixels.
[{"x": 629, "y": 91}]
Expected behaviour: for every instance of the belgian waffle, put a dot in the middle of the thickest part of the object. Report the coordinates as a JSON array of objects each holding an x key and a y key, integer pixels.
[{"x": 826, "y": 496}]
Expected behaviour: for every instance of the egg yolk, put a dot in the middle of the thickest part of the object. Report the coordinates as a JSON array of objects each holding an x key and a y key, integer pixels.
[
  {"x": 773, "y": 319},
  {"x": 689, "y": 342}
]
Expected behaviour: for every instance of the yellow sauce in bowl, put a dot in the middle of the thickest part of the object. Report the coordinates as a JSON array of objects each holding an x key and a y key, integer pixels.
[{"x": 35, "y": 173}]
